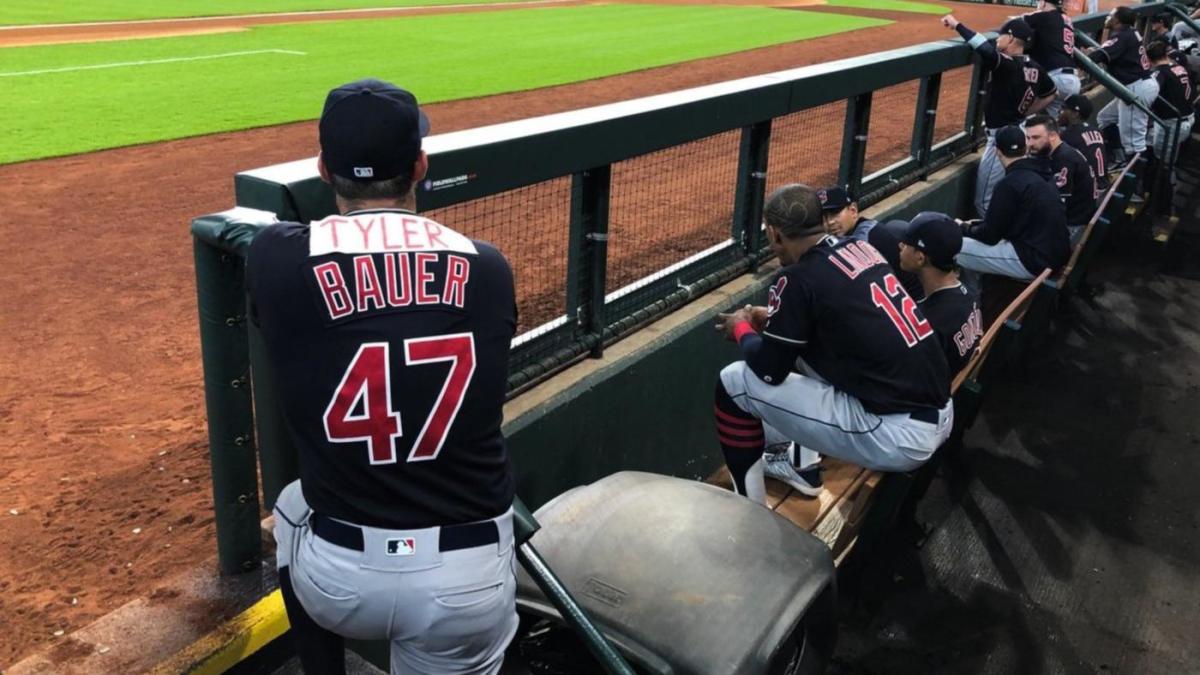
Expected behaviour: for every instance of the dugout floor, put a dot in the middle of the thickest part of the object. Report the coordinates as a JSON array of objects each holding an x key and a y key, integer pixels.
[{"x": 1076, "y": 546}]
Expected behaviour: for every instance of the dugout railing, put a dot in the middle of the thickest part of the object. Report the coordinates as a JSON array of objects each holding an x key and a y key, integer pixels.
[{"x": 612, "y": 215}]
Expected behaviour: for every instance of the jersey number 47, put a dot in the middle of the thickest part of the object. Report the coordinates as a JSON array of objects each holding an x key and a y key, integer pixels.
[{"x": 367, "y": 386}]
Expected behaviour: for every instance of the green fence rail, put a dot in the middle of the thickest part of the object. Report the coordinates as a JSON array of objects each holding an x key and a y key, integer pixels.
[{"x": 757, "y": 120}]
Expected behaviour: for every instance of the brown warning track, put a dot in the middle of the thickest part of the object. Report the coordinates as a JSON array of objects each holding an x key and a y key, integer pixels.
[{"x": 101, "y": 406}]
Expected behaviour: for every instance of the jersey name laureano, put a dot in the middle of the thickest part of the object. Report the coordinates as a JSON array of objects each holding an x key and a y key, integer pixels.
[
  {"x": 396, "y": 266},
  {"x": 855, "y": 258}
]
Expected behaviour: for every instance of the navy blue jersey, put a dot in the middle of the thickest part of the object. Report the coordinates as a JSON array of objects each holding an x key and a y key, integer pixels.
[
  {"x": 389, "y": 335},
  {"x": 1174, "y": 91},
  {"x": 954, "y": 313},
  {"x": 843, "y": 311},
  {"x": 1125, "y": 56},
  {"x": 1016, "y": 83},
  {"x": 1089, "y": 141},
  {"x": 1076, "y": 185},
  {"x": 886, "y": 240},
  {"x": 1053, "y": 39}
]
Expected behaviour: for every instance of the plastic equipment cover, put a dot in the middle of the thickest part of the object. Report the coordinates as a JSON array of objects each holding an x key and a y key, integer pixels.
[{"x": 697, "y": 576}]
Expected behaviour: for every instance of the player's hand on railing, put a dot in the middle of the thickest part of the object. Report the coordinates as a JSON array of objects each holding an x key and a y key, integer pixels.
[{"x": 950, "y": 22}]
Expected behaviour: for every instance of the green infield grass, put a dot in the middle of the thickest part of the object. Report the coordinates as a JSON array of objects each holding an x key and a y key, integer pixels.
[
  {"x": 25, "y": 12},
  {"x": 66, "y": 99},
  {"x": 891, "y": 6}
]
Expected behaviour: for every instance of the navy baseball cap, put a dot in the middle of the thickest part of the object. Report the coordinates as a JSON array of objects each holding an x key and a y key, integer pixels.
[
  {"x": 1017, "y": 28},
  {"x": 936, "y": 235},
  {"x": 371, "y": 130},
  {"x": 835, "y": 198},
  {"x": 1010, "y": 141},
  {"x": 1080, "y": 104}
]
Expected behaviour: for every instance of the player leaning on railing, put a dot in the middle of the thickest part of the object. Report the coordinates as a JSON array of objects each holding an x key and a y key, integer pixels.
[{"x": 1019, "y": 86}]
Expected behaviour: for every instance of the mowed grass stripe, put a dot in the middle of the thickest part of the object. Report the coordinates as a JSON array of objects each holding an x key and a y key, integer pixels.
[
  {"x": 32, "y": 12},
  {"x": 891, "y": 6},
  {"x": 439, "y": 57}
]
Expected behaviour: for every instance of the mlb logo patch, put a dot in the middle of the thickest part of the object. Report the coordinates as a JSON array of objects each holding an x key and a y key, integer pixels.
[
  {"x": 363, "y": 172},
  {"x": 405, "y": 546}
]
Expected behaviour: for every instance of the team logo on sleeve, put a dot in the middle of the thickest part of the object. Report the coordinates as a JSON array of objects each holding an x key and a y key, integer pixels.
[{"x": 775, "y": 296}]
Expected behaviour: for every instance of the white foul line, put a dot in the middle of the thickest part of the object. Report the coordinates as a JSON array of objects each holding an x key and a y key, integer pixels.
[{"x": 153, "y": 61}]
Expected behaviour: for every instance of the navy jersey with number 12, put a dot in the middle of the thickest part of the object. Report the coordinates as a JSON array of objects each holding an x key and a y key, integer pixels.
[
  {"x": 389, "y": 337},
  {"x": 850, "y": 319}
]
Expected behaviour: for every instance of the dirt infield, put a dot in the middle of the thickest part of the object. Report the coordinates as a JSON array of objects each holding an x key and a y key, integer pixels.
[{"x": 104, "y": 484}]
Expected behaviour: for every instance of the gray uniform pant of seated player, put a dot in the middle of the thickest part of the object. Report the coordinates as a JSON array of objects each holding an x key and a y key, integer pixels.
[
  {"x": 1000, "y": 258},
  {"x": 1131, "y": 121},
  {"x": 1067, "y": 85},
  {"x": 452, "y": 612},
  {"x": 988, "y": 175},
  {"x": 816, "y": 415}
]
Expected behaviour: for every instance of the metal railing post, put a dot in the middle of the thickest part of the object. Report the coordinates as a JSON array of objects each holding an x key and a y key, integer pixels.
[
  {"x": 587, "y": 257},
  {"x": 973, "y": 122},
  {"x": 925, "y": 120},
  {"x": 854, "y": 142},
  {"x": 751, "y": 186}
]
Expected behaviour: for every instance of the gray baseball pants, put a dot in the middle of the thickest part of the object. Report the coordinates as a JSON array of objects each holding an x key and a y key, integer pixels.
[
  {"x": 444, "y": 612},
  {"x": 989, "y": 174},
  {"x": 1067, "y": 85},
  {"x": 816, "y": 415},
  {"x": 1130, "y": 120}
]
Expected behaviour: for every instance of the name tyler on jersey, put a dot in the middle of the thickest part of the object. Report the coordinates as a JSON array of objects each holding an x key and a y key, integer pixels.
[{"x": 409, "y": 245}]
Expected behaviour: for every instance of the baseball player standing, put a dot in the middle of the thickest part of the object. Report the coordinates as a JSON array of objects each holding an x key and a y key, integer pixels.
[
  {"x": 927, "y": 250},
  {"x": 1019, "y": 86},
  {"x": 1126, "y": 59},
  {"x": 1071, "y": 172},
  {"x": 390, "y": 335},
  {"x": 1053, "y": 46},
  {"x": 1026, "y": 229},
  {"x": 874, "y": 389},
  {"x": 1075, "y": 131}
]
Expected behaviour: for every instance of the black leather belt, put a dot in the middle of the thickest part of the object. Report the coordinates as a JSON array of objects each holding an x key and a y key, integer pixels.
[
  {"x": 453, "y": 537},
  {"x": 929, "y": 415}
]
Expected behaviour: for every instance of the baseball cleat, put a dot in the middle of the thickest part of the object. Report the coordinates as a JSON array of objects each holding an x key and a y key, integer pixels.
[{"x": 806, "y": 482}]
